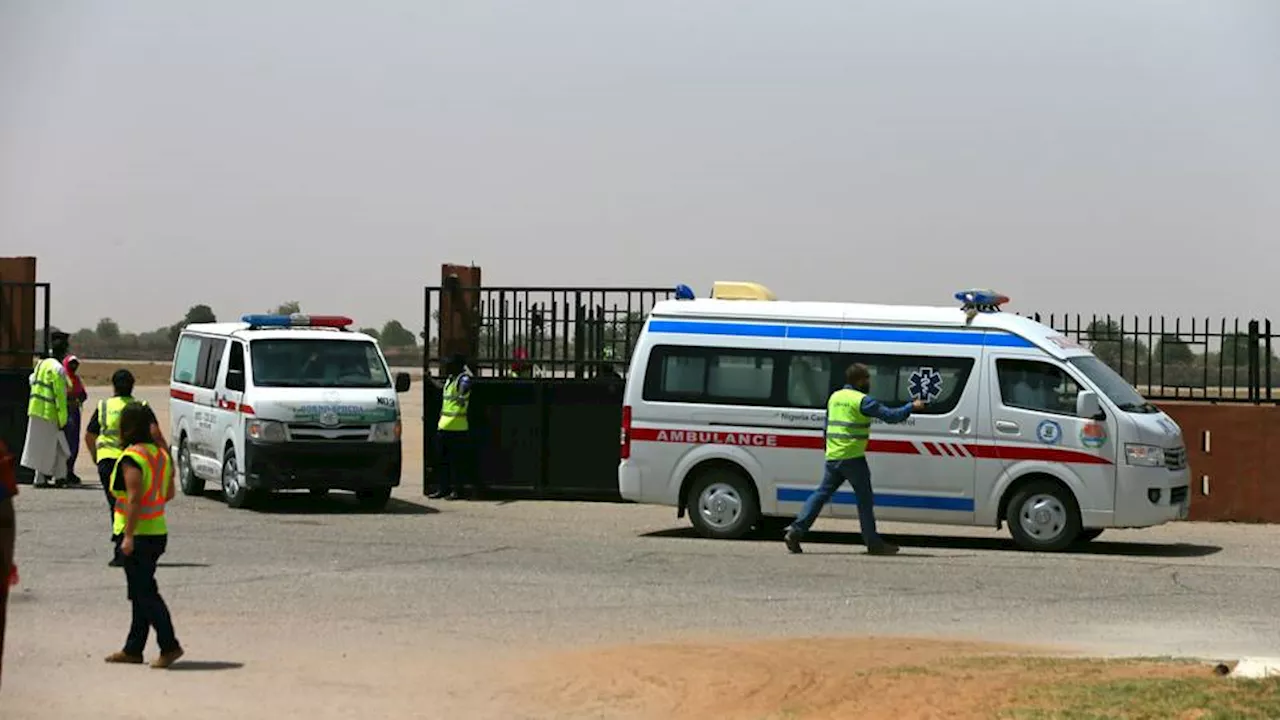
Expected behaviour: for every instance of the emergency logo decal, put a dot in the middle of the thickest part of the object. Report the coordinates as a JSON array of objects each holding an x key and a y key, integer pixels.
[
  {"x": 925, "y": 384},
  {"x": 1168, "y": 426},
  {"x": 1049, "y": 432},
  {"x": 1093, "y": 435}
]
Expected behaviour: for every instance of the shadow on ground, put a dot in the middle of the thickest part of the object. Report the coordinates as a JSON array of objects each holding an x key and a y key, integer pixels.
[
  {"x": 1097, "y": 547},
  {"x": 335, "y": 503},
  {"x": 204, "y": 665}
]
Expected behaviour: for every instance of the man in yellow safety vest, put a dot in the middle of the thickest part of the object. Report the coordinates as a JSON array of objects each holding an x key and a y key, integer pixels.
[
  {"x": 455, "y": 466},
  {"x": 848, "y": 431},
  {"x": 102, "y": 436},
  {"x": 142, "y": 483},
  {"x": 46, "y": 451}
]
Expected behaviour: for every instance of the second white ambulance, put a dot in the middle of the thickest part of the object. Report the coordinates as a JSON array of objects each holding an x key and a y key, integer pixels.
[
  {"x": 726, "y": 401},
  {"x": 281, "y": 402}
]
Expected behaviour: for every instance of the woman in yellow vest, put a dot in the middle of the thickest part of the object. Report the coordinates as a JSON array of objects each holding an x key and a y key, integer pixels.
[{"x": 143, "y": 484}]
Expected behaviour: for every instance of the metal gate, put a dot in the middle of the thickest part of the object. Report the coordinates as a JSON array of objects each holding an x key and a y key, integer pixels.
[
  {"x": 21, "y": 343},
  {"x": 546, "y": 409}
]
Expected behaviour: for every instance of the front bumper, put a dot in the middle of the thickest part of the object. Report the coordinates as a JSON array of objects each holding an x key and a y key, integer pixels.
[
  {"x": 341, "y": 465},
  {"x": 1153, "y": 497}
]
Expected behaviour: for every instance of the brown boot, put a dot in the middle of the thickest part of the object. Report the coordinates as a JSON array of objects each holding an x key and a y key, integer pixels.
[
  {"x": 124, "y": 658},
  {"x": 164, "y": 660}
]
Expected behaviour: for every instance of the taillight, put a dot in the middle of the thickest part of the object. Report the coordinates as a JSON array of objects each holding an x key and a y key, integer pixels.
[{"x": 625, "y": 438}]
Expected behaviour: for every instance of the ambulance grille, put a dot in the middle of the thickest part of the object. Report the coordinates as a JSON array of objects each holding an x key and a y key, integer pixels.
[
  {"x": 315, "y": 432},
  {"x": 1175, "y": 458}
]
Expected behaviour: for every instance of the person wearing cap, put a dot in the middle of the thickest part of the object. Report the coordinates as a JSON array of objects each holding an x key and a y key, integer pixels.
[
  {"x": 102, "y": 436},
  {"x": 76, "y": 397},
  {"x": 45, "y": 451}
]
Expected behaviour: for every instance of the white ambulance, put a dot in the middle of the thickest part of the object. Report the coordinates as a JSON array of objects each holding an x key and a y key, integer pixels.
[
  {"x": 726, "y": 397},
  {"x": 281, "y": 402}
]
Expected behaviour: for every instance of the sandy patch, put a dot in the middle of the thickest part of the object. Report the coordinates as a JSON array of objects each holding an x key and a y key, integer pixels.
[{"x": 807, "y": 679}]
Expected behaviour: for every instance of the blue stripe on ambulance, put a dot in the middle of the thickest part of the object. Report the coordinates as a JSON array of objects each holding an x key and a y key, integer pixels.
[
  {"x": 837, "y": 332},
  {"x": 915, "y": 502}
]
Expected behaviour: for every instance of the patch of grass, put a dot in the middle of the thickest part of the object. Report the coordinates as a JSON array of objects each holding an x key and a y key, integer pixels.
[{"x": 1208, "y": 698}]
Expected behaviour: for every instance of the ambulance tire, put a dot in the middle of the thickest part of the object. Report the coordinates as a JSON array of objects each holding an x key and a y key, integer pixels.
[
  {"x": 234, "y": 491},
  {"x": 187, "y": 479},
  {"x": 1043, "y": 516},
  {"x": 722, "y": 504}
]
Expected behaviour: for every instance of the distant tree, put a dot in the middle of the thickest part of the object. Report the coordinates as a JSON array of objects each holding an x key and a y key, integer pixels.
[
  {"x": 1173, "y": 350},
  {"x": 1235, "y": 350},
  {"x": 195, "y": 314},
  {"x": 84, "y": 338},
  {"x": 107, "y": 331},
  {"x": 396, "y": 335},
  {"x": 1121, "y": 350},
  {"x": 371, "y": 332},
  {"x": 288, "y": 308}
]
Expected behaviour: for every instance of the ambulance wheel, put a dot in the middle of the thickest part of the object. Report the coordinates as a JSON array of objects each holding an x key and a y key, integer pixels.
[
  {"x": 722, "y": 504},
  {"x": 1043, "y": 517},
  {"x": 234, "y": 490},
  {"x": 187, "y": 480}
]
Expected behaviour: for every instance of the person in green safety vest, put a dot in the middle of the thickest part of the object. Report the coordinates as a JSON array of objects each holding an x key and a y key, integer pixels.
[
  {"x": 455, "y": 465},
  {"x": 46, "y": 451},
  {"x": 848, "y": 431}
]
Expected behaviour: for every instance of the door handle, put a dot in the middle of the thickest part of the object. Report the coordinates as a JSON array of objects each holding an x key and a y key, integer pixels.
[{"x": 1005, "y": 426}]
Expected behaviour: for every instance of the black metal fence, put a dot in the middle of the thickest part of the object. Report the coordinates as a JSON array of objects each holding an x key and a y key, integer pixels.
[
  {"x": 1204, "y": 359},
  {"x": 547, "y": 332}
]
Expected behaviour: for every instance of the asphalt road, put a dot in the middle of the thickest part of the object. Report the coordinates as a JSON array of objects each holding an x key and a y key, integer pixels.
[{"x": 310, "y": 608}]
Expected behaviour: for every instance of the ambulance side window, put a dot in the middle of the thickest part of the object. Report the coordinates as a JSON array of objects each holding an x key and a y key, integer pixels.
[
  {"x": 235, "y": 368},
  {"x": 186, "y": 362},
  {"x": 808, "y": 380},
  {"x": 210, "y": 361},
  {"x": 1037, "y": 386}
]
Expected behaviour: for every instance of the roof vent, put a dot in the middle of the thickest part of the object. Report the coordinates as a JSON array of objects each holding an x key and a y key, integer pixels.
[{"x": 733, "y": 290}]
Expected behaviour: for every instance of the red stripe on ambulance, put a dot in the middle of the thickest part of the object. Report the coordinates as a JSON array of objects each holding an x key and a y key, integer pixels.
[{"x": 897, "y": 447}]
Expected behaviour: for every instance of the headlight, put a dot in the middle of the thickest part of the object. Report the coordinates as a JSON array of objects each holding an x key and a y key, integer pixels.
[
  {"x": 1144, "y": 455},
  {"x": 386, "y": 432},
  {"x": 265, "y": 430}
]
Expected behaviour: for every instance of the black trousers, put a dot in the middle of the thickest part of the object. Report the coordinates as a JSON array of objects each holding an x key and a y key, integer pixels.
[
  {"x": 456, "y": 468},
  {"x": 149, "y": 609},
  {"x": 104, "y": 476}
]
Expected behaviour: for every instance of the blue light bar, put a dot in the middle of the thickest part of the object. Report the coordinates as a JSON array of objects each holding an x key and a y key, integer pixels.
[
  {"x": 684, "y": 292},
  {"x": 296, "y": 320},
  {"x": 981, "y": 300},
  {"x": 267, "y": 320}
]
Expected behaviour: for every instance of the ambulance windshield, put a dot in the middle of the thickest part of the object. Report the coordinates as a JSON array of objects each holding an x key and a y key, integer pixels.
[
  {"x": 1112, "y": 385},
  {"x": 290, "y": 362}
]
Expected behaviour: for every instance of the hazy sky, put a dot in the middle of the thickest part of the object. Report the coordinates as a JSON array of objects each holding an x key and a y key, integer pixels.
[{"x": 1082, "y": 155}]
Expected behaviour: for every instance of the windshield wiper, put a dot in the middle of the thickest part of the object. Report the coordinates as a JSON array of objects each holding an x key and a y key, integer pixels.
[{"x": 1142, "y": 407}]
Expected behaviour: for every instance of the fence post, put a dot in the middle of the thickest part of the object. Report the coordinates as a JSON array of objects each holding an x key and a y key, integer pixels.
[
  {"x": 1267, "y": 348},
  {"x": 1255, "y": 384}
]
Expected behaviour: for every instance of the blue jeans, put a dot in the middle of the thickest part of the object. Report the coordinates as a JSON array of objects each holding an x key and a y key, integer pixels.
[{"x": 858, "y": 473}]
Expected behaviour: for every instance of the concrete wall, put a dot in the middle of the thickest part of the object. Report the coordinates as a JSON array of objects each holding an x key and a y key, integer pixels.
[{"x": 1234, "y": 451}]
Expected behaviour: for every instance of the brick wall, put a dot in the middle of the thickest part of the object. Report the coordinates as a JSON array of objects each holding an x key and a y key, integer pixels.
[
  {"x": 1242, "y": 463},
  {"x": 455, "y": 330}
]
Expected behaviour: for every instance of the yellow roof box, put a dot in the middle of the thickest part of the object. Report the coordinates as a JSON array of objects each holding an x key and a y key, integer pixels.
[{"x": 733, "y": 290}]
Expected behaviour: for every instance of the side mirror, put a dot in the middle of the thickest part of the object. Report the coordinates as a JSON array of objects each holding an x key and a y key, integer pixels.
[
  {"x": 235, "y": 380},
  {"x": 402, "y": 382},
  {"x": 1087, "y": 405}
]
